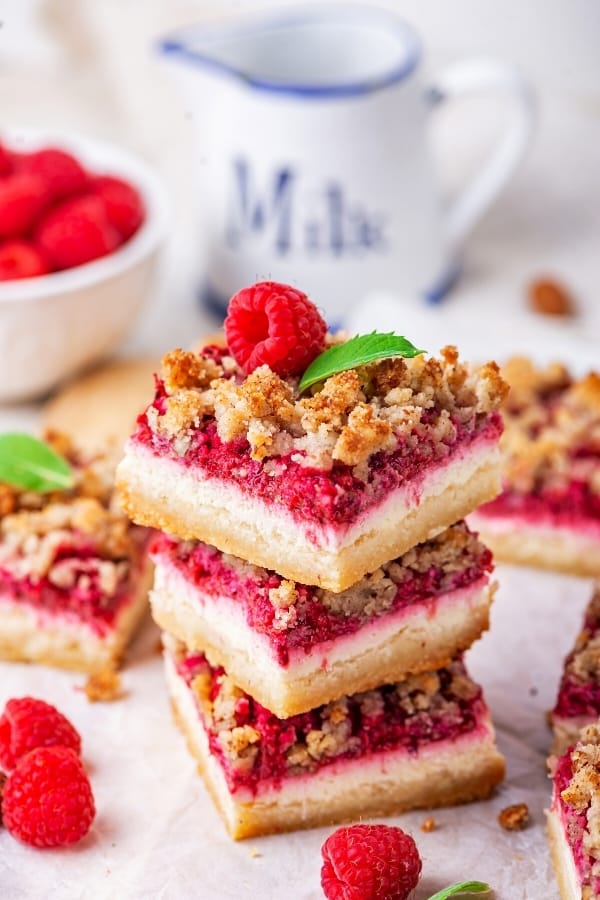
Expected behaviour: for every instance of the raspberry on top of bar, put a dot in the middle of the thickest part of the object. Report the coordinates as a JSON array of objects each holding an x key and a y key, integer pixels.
[
  {"x": 551, "y": 443},
  {"x": 576, "y": 808},
  {"x": 69, "y": 551}
]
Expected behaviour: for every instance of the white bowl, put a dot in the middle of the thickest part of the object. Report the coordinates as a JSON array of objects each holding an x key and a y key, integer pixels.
[{"x": 54, "y": 325}]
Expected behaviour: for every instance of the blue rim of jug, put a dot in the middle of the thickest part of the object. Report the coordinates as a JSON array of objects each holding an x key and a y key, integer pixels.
[{"x": 176, "y": 46}]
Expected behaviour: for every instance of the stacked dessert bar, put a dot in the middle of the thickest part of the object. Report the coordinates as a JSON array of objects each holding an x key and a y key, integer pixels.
[
  {"x": 315, "y": 581},
  {"x": 548, "y": 514},
  {"x": 74, "y": 571}
]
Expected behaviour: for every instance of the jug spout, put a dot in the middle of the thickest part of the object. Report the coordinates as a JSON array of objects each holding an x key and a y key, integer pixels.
[{"x": 321, "y": 52}]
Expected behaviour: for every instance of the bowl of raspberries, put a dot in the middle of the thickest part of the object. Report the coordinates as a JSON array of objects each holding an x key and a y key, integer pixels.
[{"x": 81, "y": 226}]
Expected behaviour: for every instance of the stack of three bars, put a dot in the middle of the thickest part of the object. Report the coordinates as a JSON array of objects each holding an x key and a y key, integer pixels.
[{"x": 317, "y": 672}]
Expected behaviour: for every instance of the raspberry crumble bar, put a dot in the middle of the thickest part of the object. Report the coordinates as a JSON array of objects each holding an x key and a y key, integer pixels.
[
  {"x": 574, "y": 817},
  {"x": 549, "y": 512},
  {"x": 294, "y": 647},
  {"x": 321, "y": 488},
  {"x": 421, "y": 743},
  {"x": 74, "y": 572},
  {"x": 578, "y": 701}
]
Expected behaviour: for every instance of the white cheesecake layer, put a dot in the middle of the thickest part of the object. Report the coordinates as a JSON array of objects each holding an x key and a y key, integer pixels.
[{"x": 562, "y": 857}]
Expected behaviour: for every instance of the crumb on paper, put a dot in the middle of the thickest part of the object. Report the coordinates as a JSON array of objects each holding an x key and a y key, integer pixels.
[
  {"x": 533, "y": 692},
  {"x": 255, "y": 853},
  {"x": 104, "y": 687},
  {"x": 428, "y": 824},
  {"x": 550, "y": 298},
  {"x": 515, "y": 817}
]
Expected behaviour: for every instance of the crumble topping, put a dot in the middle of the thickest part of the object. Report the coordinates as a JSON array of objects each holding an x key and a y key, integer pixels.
[
  {"x": 583, "y": 663},
  {"x": 39, "y": 532},
  {"x": 353, "y": 415},
  {"x": 552, "y": 428},
  {"x": 582, "y": 793}
]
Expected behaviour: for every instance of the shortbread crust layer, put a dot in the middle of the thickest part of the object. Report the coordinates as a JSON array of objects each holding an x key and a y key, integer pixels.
[
  {"x": 442, "y": 773},
  {"x": 160, "y": 493}
]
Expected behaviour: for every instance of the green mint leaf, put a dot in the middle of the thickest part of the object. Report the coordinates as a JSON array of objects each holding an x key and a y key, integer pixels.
[
  {"x": 30, "y": 464},
  {"x": 462, "y": 887},
  {"x": 359, "y": 350}
]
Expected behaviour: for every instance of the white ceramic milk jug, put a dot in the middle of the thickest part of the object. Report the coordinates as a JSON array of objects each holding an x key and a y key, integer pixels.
[{"x": 313, "y": 161}]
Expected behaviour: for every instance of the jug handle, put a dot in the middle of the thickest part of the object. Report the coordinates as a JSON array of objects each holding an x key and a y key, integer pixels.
[{"x": 486, "y": 76}]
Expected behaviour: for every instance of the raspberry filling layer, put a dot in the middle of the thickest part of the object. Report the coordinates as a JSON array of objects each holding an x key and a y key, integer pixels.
[
  {"x": 569, "y": 506},
  {"x": 81, "y": 586},
  {"x": 579, "y": 691},
  {"x": 309, "y": 616},
  {"x": 253, "y": 746},
  {"x": 336, "y": 496},
  {"x": 575, "y": 825}
]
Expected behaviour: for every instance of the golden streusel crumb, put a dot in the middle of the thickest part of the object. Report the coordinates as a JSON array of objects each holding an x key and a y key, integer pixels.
[
  {"x": 514, "y": 817},
  {"x": 428, "y": 824},
  {"x": 348, "y": 418},
  {"x": 104, "y": 687},
  {"x": 549, "y": 417},
  {"x": 182, "y": 369}
]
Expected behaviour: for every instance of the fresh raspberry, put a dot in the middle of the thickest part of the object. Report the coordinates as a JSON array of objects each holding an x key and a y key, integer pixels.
[
  {"x": 123, "y": 204},
  {"x": 28, "y": 723},
  {"x": 21, "y": 259},
  {"x": 47, "y": 801},
  {"x": 60, "y": 172},
  {"x": 76, "y": 232},
  {"x": 275, "y": 325},
  {"x": 23, "y": 197},
  {"x": 369, "y": 862}
]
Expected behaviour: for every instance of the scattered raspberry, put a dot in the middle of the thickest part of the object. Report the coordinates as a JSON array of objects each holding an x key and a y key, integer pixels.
[
  {"x": 23, "y": 197},
  {"x": 47, "y": 801},
  {"x": 123, "y": 204},
  {"x": 515, "y": 817},
  {"x": 62, "y": 175},
  {"x": 369, "y": 862},
  {"x": 276, "y": 325},
  {"x": 76, "y": 232},
  {"x": 28, "y": 723},
  {"x": 21, "y": 259}
]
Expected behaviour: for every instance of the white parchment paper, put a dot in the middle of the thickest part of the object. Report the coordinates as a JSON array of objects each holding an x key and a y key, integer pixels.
[{"x": 157, "y": 834}]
